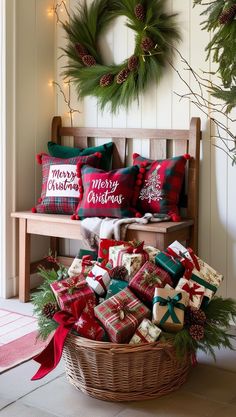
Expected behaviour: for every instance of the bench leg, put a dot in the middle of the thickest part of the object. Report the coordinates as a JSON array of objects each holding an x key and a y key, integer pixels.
[{"x": 24, "y": 262}]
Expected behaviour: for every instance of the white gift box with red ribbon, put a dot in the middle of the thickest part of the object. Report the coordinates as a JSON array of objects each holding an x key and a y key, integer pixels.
[
  {"x": 98, "y": 279},
  {"x": 79, "y": 266}
]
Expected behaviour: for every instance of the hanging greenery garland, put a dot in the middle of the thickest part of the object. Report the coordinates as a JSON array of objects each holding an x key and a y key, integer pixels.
[{"x": 155, "y": 32}]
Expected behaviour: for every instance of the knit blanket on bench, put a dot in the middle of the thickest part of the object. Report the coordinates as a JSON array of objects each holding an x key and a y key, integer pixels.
[{"x": 95, "y": 228}]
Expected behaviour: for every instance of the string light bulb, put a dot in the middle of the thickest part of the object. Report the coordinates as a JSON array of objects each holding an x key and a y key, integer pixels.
[{"x": 50, "y": 12}]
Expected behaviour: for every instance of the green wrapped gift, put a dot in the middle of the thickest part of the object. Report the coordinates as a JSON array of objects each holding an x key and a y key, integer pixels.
[
  {"x": 85, "y": 252},
  {"x": 171, "y": 265},
  {"x": 116, "y": 285}
]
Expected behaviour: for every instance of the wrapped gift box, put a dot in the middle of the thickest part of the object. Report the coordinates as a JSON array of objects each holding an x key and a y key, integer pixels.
[
  {"x": 170, "y": 264},
  {"x": 86, "y": 252},
  {"x": 121, "y": 315},
  {"x": 72, "y": 289},
  {"x": 145, "y": 333},
  {"x": 195, "y": 291},
  {"x": 78, "y": 266},
  {"x": 105, "y": 245},
  {"x": 87, "y": 326},
  {"x": 115, "y": 286},
  {"x": 147, "y": 279},
  {"x": 168, "y": 308},
  {"x": 98, "y": 279},
  {"x": 132, "y": 257}
]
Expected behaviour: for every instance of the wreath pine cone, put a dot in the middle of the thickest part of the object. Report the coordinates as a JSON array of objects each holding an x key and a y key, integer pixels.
[
  {"x": 147, "y": 44},
  {"x": 139, "y": 12},
  {"x": 49, "y": 310},
  {"x": 133, "y": 63},
  {"x": 89, "y": 61},
  {"x": 122, "y": 76},
  {"x": 106, "y": 80},
  {"x": 81, "y": 50},
  {"x": 228, "y": 15}
]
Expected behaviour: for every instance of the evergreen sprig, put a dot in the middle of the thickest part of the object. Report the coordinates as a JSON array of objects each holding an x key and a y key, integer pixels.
[
  {"x": 45, "y": 295},
  {"x": 85, "y": 28},
  {"x": 222, "y": 47}
]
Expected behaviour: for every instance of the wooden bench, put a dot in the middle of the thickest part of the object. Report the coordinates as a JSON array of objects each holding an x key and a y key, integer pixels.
[{"x": 163, "y": 144}]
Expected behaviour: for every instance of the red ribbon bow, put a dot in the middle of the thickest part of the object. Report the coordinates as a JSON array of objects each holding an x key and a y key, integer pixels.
[
  {"x": 188, "y": 264},
  {"x": 86, "y": 261},
  {"x": 51, "y": 355},
  {"x": 73, "y": 283},
  {"x": 133, "y": 250},
  {"x": 195, "y": 289},
  {"x": 99, "y": 279}
]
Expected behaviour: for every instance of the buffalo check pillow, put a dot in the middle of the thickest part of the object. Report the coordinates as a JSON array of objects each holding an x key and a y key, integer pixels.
[
  {"x": 60, "y": 185},
  {"x": 162, "y": 185},
  {"x": 108, "y": 194}
]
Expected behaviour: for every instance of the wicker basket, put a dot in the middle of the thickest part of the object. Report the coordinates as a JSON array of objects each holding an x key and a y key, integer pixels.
[{"x": 115, "y": 372}]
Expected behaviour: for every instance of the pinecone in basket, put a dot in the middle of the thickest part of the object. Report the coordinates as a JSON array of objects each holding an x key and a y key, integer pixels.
[
  {"x": 139, "y": 12},
  {"x": 81, "y": 50},
  {"x": 147, "y": 44},
  {"x": 122, "y": 76},
  {"x": 194, "y": 316},
  {"x": 227, "y": 15},
  {"x": 196, "y": 331},
  {"x": 119, "y": 272},
  {"x": 49, "y": 310},
  {"x": 133, "y": 63},
  {"x": 89, "y": 61},
  {"x": 106, "y": 80}
]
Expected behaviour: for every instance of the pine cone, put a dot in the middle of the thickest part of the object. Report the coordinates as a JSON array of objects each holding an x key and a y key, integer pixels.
[
  {"x": 139, "y": 12},
  {"x": 106, "y": 80},
  {"x": 49, "y": 310},
  {"x": 228, "y": 15},
  {"x": 122, "y": 76},
  {"x": 147, "y": 44},
  {"x": 119, "y": 272},
  {"x": 133, "y": 63},
  {"x": 89, "y": 61},
  {"x": 196, "y": 332},
  {"x": 194, "y": 316},
  {"x": 81, "y": 50}
]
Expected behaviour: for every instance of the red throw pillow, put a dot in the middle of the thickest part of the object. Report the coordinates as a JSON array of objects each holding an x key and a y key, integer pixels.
[
  {"x": 108, "y": 194},
  {"x": 60, "y": 186},
  {"x": 162, "y": 185}
]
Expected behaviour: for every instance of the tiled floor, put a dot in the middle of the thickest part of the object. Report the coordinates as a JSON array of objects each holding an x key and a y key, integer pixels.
[{"x": 209, "y": 392}]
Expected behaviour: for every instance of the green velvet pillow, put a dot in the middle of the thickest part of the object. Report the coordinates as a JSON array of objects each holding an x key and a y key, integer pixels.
[{"x": 65, "y": 152}]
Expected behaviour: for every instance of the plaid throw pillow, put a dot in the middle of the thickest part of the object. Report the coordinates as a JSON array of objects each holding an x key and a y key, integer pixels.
[
  {"x": 162, "y": 185},
  {"x": 60, "y": 187},
  {"x": 108, "y": 194}
]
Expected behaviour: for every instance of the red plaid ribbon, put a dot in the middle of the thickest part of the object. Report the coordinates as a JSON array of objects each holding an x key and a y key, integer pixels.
[
  {"x": 122, "y": 310},
  {"x": 133, "y": 250},
  {"x": 188, "y": 264},
  {"x": 99, "y": 279},
  {"x": 192, "y": 290}
]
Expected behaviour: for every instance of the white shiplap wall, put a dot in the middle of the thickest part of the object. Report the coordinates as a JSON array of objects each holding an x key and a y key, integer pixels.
[{"x": 160, "y": 108}]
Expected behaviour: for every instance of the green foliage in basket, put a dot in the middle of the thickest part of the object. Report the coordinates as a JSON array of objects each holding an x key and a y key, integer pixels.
[
  {"x": 155, "y": 32},
  {"x": 215, "y": 332},
  {"x": 44, "y": 301}
]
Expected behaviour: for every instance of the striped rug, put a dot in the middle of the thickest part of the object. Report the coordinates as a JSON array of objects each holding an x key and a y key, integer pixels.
[{"x": 17, "y": 339}]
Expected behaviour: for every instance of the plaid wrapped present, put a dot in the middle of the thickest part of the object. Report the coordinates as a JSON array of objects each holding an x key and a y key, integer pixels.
[
  {"x": 121, "y": 315},
  {"x": 195, "y": 291},
  {"x": 81, "y": 266},
  {"x": 98, "y": 279},
  {"x": 146, "y": 332},
  {"x": 105, "y": 245},
  {"x": 71, "y": 289},
  {"x": 116, "y": 285},
  {"x": 168, "y": 308},
  {"x": 132, "y": 257},
  {"x": 147, "y": 279}
]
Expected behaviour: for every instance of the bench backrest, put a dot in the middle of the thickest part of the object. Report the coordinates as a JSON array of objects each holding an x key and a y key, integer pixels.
[{"x": 163, "y": 144}]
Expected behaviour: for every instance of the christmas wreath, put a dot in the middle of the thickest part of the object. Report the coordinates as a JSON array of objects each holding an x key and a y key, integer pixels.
[{"x": 155, "y": 32}]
